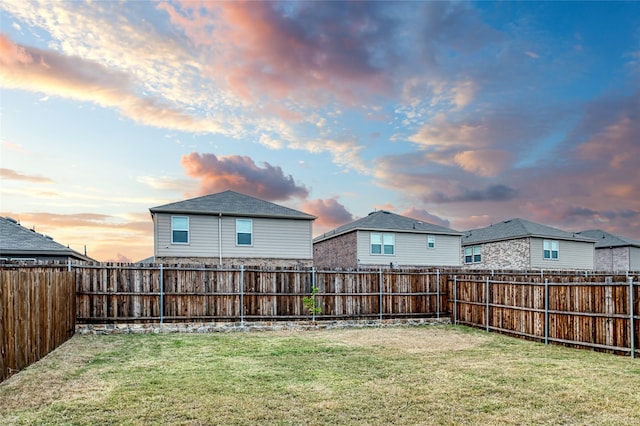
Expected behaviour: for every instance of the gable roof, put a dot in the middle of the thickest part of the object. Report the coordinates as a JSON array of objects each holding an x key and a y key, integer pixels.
[
  {"x": 231, "y": 203},
  {"x": 605, "y": 239},
  {"x": 383, "y": 220},
  {"x": 16, "y": 240},
  {"x": 518, "y": 228}
]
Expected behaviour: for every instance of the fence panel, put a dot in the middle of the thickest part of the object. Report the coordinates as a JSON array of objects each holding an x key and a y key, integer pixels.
[
  {"x": 582, "y": 310},
  {"x": 37, "y": 314}
]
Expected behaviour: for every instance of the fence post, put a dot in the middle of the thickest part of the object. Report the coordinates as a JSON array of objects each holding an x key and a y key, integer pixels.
[
  {"x": 161, "y": 293},
  {"x": 455, "y": 300},
  {"x": 631, "y": 319},
  {"x": 380, "y": 297},
  {"x": 313, "y": 294},
  {"x": 438, "y": 292},
  {"x": 546, "y": 311},
  {"x": 241, "y": 295},
  {"x": 69, "y": 265},
  {"x": 487, "y": 305}
]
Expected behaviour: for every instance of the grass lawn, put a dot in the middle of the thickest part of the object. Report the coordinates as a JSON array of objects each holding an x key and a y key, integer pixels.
[{"x": 441, "y": 375}]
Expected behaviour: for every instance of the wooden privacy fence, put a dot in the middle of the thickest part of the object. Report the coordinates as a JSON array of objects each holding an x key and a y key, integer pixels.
[
  {"x": 593, "y": 311},
  {"x": 37, "y": 314},
  {"x": 160, "y": 293}
]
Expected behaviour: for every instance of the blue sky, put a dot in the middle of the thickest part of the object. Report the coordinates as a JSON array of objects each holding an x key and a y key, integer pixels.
[{"x": 458, "y": 113}]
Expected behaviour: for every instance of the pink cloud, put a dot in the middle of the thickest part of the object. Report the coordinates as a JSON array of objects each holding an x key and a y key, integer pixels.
[
  {"x": 329, "y": 212},
  {"x": 36, "y": 70},
  {"x": 242, "y": 174},
  {"x": 426, "y": 217},
  {"x": 13, "y": 175},
  {"x": 267, "y": 50},
  {"x": 487, "y": 163}
]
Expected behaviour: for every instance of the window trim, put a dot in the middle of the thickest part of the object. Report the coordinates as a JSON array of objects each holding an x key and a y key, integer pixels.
[
  {"x": 473, "y": 252},
  {"x": 383, "y": 237},
  {"x": 250, "y": 233},
  {"x": 550, "y": 244},
  {"x": 431, "y": 239},
  {"x": 174, "y": 229}
]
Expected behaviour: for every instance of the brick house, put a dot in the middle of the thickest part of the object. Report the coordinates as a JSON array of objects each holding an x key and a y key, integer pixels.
[
  {"x": 387, "y": 239},
  {"x": 521, "y": 244},
  {"x": 614, "y": 253}
]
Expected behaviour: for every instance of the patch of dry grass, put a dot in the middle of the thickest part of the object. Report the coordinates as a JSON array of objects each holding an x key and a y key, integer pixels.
[{"x": 378, "y": 376}]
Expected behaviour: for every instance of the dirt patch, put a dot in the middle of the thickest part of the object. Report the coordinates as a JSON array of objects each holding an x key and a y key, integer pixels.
[{"x": 413, "y": 340}]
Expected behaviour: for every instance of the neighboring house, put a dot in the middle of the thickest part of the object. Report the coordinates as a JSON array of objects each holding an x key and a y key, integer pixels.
[
  {"x": 614, "y": 253},
  {"x": 229, "y": 228},
  {"x": 521, "y": 244},
  {"x": 21, "y": 244},
  {"x": 386, "y": 239}
]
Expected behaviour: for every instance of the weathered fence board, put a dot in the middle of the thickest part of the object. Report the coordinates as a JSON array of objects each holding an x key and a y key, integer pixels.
[
  {"x": 37, "y": 314},
  {"x": 581, "y": 310}
]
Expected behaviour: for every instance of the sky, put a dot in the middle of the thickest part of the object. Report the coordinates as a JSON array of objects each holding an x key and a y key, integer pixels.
[{"x": 461, "y": 114}]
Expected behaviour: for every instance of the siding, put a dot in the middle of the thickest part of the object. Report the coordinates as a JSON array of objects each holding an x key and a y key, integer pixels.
[
  {"x": 272, "y": 238},
  {"x": 634, "y": 258},
  {"x": 411, "y": 250},
  {"x": 571, "y": 255}
]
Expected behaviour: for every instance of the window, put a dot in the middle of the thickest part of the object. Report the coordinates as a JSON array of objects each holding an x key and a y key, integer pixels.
[
  {"x": 382, "y": 243},
  {"x": 179, "y": 230},
  {"x": 473, "y": 254},
  {"x": 550, "y": 250},
  {"x": 431, "y": 241},
  {"x": 244, "y": 231}
]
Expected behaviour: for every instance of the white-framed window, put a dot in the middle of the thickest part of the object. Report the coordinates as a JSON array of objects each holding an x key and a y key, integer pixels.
[
  {"x": 382, "y": 243},
  {"x": 473, "y": 254},
  {"x": 179, "y": 230},
  {"x": 551, "y": 250},
  {"x": 431, "y": 241},
  {"x": 244, "y": 232}
]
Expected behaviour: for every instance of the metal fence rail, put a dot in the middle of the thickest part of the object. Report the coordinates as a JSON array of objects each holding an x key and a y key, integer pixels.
[{"x": 587, "y": 312}]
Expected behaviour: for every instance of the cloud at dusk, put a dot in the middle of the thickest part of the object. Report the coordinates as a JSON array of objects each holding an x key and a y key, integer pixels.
[
  {"x": 425, "y": 216},
  {"x": 36, "y": 70},
  {"x": 461, "y": 114},
  {"x": 329, "y": 212},
  {"x": 14, "y": 175},
  {"x": 242, "y": 174}
]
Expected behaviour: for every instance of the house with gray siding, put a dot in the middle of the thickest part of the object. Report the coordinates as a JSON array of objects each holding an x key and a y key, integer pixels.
[
  {"x": 20, "y": 244},
  {"x": 521, "y": 244},
  {"x": 613, "y": 252},
  {"x": 387, "y": 239},
  {"x": 229, "y": 228}
]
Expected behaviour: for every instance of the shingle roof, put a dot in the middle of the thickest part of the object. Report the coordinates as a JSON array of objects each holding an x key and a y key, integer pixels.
[
  {"x": 518, "y": 228},
  {"x": 231, "y": 203},
  {"x": 383, "y": 220},
  {"x": 15, "y": 239},
  {"x": 605, "y": 239}
]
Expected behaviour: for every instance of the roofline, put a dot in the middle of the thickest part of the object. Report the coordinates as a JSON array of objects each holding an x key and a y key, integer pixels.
[
  {"x": 71, "y": 253},
  {"x": 545, "y": 237},
  {"x": 302, "y": 216},
  {"x": 324, "y": 237}
]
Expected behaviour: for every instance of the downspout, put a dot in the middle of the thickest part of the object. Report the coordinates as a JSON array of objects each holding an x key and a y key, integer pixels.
[{"x": 220, "y": 237}]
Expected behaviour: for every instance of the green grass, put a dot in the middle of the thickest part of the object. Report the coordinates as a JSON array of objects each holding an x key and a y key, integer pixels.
[{"x": 424, "y": 375}]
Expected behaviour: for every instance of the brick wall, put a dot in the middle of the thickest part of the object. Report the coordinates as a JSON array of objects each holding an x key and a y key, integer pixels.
[
  {"x": 337, "y": 252},
  {"x": 511, "y": 254},
  {"x": 612, "y": 259}
]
